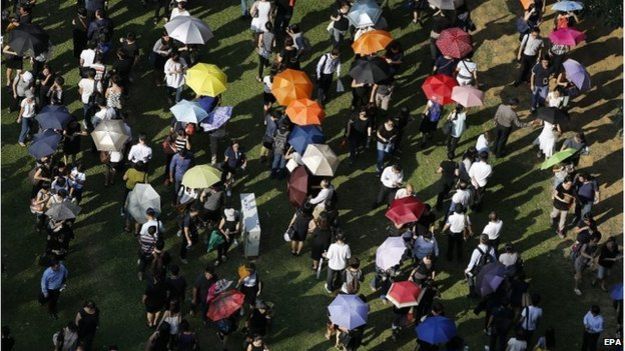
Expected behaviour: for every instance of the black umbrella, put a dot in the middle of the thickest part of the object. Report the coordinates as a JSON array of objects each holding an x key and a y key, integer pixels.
[
  {"x": 29, "y": 38},
  {"x": 44, "y": 143},
  {"x": 370, "y": 70},
  {"x": 553, "y": 115},
  {"x": 62, "y": 211},
  {"x": 53, "y": 117}
]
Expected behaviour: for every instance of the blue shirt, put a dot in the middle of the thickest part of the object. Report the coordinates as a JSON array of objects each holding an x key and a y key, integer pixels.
[
  {"x": 53, "y": 280},
  {"x": 179, "y": 165}
]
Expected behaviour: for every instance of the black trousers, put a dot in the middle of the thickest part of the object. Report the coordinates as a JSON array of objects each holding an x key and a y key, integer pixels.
[
  {"x": 589, "y": 342},
  {"x": 501, "y": 139},
  {"x": 53, "y": 299},
  {"x": 385, "y": 195},
  {"x": 454, "y": 241},
  {"x": 527, "y": 62},
  {"x": 161, "y": 4},
  {"x": 452, "y": 143},
  {"x": 498, "y": 340},
  {"x": 323, "y": 86},
  {"x": 445, "y": 189},
  {"x": 262, "y": 63}
]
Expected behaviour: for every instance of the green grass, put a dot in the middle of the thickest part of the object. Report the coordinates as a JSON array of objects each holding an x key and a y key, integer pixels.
[{"x": 102, "y": 266}]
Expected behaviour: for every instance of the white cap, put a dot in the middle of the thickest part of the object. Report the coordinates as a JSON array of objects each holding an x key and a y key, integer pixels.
[
  {"x": 27, "y": 76},
  {"x": 229, "y": 212}
]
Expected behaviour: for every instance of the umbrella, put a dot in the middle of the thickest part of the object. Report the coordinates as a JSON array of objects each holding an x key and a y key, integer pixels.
[
  {"x": 405, "y": 210},
  {"x": 301, "y": 136},
  {"x": 208, "y": 103},
  {"x": 526, "y": 3},
  {"x": 53, "y": 117},
  {"x": 44, "y": 143},
  {"x": 62, "y": 211},
  {"x": 553, "y": 115},
  {"x": 320, "y": 160},
  {"x": 438, "y": 88},
  {"x": 467, "y": 96},
  {"x": 297, "y": 187},
  {"x": 577, "y": 74},
  {"x": 142, "y": 197},
  {"x": 566, "y": 36},
  {"x": 364, "y": 13},
  {"x": 29, "y": 39},
  {"x": 566, "y": 6},
  {"x": 305, "y": 112},
  {"x": 404, "y": 294},
  {"x": 206, "y": 79},
  {"x": 443, "y": 4},
  {"x": 372, "y": 42},
  {"x": 558, "y": 157},
  {"x": 616, "y": 292},
  {"x": 390, "y": 252},
  {"x": 188, "y": 111},
  {"x": 225, "y": 305},
  {"x": 217, "y": 118},
  {"x": 188, "y": 30},
  {"x": 370, "y": 70},
  {"x": 436, "y": 330},
  {"x": 291, "y": 85},
  {"x": 489, "y": 278},
  {"x": 454, "y": 42},
  {"x": 348, "y": 311},
  {"x": 201, "y": 176},
  {"x": 110, "y": 135}
]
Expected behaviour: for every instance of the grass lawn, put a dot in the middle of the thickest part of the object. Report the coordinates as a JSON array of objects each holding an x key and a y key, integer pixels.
[{"x": 102, "y": 266}]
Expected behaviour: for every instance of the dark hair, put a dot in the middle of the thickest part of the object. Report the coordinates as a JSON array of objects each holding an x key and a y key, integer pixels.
[
  {"x": 53, "y": 262},
  {"x": 160, "y": 244},
  {"x": 152, "y": 230},
  {"x": 184, "y": 325},
  {"x": 59, "y": 80},
  {"x": 131, "y": 36},
  {"x": 483, "y": 239},
  {"x": 335, "y": 52},
  {"x": 295, "y": 28},
  {"x": 100, "y": 13},
  {"x": 535, "y": 299},
  {"x": 594, "y": 309},
  {"x": 90, "y": 304},
  {"x": 339, "y": 236},
  {"x": 353, "y": 262},
  {"x": 174, "y": 269},
  {"x": 82, "y": 12},
  {"x": 142, "y": 137},
  {"x": 288, "y": 41},
  {"x": 459, "y": 208},
  {"x": 438, "y": 307},
  {"x": 269, "y": 26},
  {"x": 512, "y": 101},
  {"x": 483, "y": 155},
  {"x": 91, "y": 73},
  {"x": 209, "y": 269},
  {"x": 100, "y": 100},
  {"x": 322, "y": 221},
  {"x": 397, "y": 167},
  {"x": 536, "y": 30},
  {"x": 150, "y": 212}
]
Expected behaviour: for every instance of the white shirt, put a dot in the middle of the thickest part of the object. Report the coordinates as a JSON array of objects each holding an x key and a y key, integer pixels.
[
  {"x": 174, "y": 72},
  {"x": 337, "y": 256},
  {"x": 178, "y": 12},
  {"x": 116, "y": 156},
  {"x": 327, "y": 65},
  {"x": 87, "y": 88},
  {"x": 479, "y": 173},
  {"x": 535, "y": 313},
  {"x": 465, "y": 71},
  {"x": 104, "y": 115},
  {"x": 323, "y": 195},
  {"x": 28, "y": 108},
  {"x": 458, "y": 222},
  {"x": 593, "y": 324},
  {"x": 152, "y": 222},
  {"x": 267, "y": 84},
  {"x": 140, "y": 152},
  {"x": 402, "y": 193},
  {"x": 516, "y": 345},
  {"x": 87, "y": 56},
  {"x": 390, "y": 179},
  {"x": 481, "y": 144},
  {"x": 508, "y": 259},
  {"x": 461, "y": 197},
  {"x": 493, "y": 229},
  {"x": 78, "y": 178},
  {"x": 476, "y": 255}
]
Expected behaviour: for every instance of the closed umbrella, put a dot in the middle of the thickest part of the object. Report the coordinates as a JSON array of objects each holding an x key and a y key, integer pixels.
[
  {"x": 553, "y": 115},
  {"x": 566, "y": 6},
  {"x": 142, "y": 197},
  {"x": 206, "y": 79},
  {"x": 63, "y": 211},
  {"x": 44, "y": 143},
  {"x": 370, "y": 70},
  {"x": 290, "y": 85},
  {"x": 364, "y": 13},
  {"x": 404, "y": 294},
  {"x": 577, "y": 74},
  {"x": 566, "y": 36},
  {"x": 348, "y": 311},
  {"x": 438, "y": 88},
  {"x": 372, "y": 42},
  {"x": 454, "y": 42},
  {"x": 405, "y": 210},
  {"x": 53, "y": 117},
  {"x": 436, "y": 330},
  {"x": 110, "y": 135},
  {"x": 188, "y": 30},
  {"x": 490, "y": 277},
  {"x": 390, "y": 252},
  {"x": 558, "y": 157},
  {"x": 201, "y": 177},
  {"x": 29, "y": 39},
  {"x": 301, "y": 136},
  {"x": 188, "y": 111},
  {"x": 297, "y": 187},
  {"x": 225, "y": 305},
  {"x": 616, "y": 292},
  {"x": 467, "y": 96},
  {"x": 305, "y": 112},
  {"x": 443, "y": 4},
  {"x": 320, "y": 160}
]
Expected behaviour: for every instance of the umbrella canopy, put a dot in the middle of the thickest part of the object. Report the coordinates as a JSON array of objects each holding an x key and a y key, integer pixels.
[
  {"x": 44, "y": 143},
  {"x": 142, "y": 197},
  {"x": 348, "y": 311},
  {"x": 454, "y": 42},
  {"x": 188, "y": 30},
  {"x": 208, "y": 103},
  {"x": 110, "y": 135},
  {"x": 188, "y": 111},
  {"x": 438, "y": 88},
  {"x": 217, "y": 118},
  {"x": 370, "y": 70},
  {"x": 301, "y": 136},
  {"x": 490, "y": 277},
  {"x": 290, "y": 85},
  {"x": 29, "y": 39},
  {"x": 553, "y": 115},
  {"x": 389, "y": 253},
  {"x": 225, "y": 305},
  {"x": 297, "y": 187},
  {"x": 63, "y": 211},
  {"x": 364, "y": 13},
  {"x": 436, "y": 330},
  {"x": 443, "y": 4},
  {"x": 201, "y": 176},
  {"x": 320, "y": 160},
  {"x": 467, "y": 96},
  {"x": 558, "y": 157},
  {"x": 372, "y": 42},
  {"x": 305, "y": 112},
  {"x": 566, "y": 36},
  {"x": 53, "y": 117},
  {"x": 404, "y": 294},
  {"x": 566, "y": 6},
  {"x": 526, "y": 3},
  {"x": 405, "y": 210},
  {"x": 577, "y": 74},
  {"x": 206, "y": 79},
  {"x": 616, "y": 292}
]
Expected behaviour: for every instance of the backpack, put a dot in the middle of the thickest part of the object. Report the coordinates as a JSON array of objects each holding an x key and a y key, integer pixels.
[
  {"x": 485, "y": 258},
  {"x": 280, "y": 141}
]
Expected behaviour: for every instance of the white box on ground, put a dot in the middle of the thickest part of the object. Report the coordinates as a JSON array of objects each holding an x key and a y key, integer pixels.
[{"x": 251, "y": 225}]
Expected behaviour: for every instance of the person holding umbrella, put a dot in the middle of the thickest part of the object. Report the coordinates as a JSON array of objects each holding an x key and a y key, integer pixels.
[
  {"x": 13, "y": 61},
  {"x": 180, "y": 163},
  {"x": 24, "y": 118},
  {"x": 483, "y": 254}
]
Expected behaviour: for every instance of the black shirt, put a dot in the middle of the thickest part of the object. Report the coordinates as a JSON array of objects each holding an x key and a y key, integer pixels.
[
  {"x": 563, "y": 193},
  {"x": 202, "y": 285},
  {"x": 343, "y": 23},
  {"x": 541, "y": 75},
  {"x": 606, "y": 253},
  {"x": 445, "y": 66},
  {"x": 448, "y": 174},
  {"x": 289, "y": 58},
  {"x": 386, "y": 134},
  {"x": 177, "y": 287}
]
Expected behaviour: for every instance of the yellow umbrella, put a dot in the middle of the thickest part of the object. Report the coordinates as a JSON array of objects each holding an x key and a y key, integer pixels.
[
  {"x": 202, "y": 176},
  {"x": 206, "y": 79}
]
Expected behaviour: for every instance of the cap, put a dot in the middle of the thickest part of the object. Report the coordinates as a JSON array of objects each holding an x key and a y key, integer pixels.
[
  {"x": 27, "y": 76},
  {"x": 229, "y": 212}
]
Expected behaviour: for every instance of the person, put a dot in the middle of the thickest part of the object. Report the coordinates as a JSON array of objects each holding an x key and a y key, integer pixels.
[
  {"x": 352, "y": 277},
  {"x": 8, "y": 341},
  {"x": 149, "y": 234},
  {"x": 161, "y": 50},
  {"x": 385, "y": 140},
  {"x": 87, "y": 320},
  {"x": 510, "y": 257},
  {"x": 563, "y": 199},
  {"x": 280, "y": 149},
  {"x": 174, "y": 69},
  {"x": 229, "y": 227},
  {"x": 25, "y": 116},
  {"x": 180, "y": 163},
  {"x": 337, "y": 255},
  {"x": 391, "y": 180},
  {"x": 539, "y": 83},
  {"x": 100, "y": 28},
  {"x": 43, "y": 83},
  {"x": 480, "y": 172},
  {"x": 457, "y": 121},
  {"x": 257, "y": 344},
  {"x": 339, "y": 23},
  {"x": 213, "y": 200},
  {"x": 89, "y": 89},
  {"x": 499, "y": 324},
  {"x": 322, "y": 238},
  {"x": 53, "y": 282},
  {"x": 265, "y": 45},
  {"x": 578, "y": 142},
  {"x": 14, "y": 62},
  {"x": 459, "y": 226},
  {"x": 530, "y": 49},
  {"x": 327, "y": 191},
  {"x": 262, "y": 12},
  {"x": 173, "y": 317},
  {"x": 22, "y": 83},
  {"x": 179, "y": 10},
  {"x": 517, "y": 342},
  {"x": 199, "y": 293},
  {"x": 530, "y": 317},
  {"x": 466, "y": 71},
  {"x": 234, "y": 159},
  {"x": 425, "y": 245},
  {"x": 141, "y": 151},
  {"x": 134, "y": 175},
  {"x": 189, "y": 235},
  {"x": 259, "y": 319},
  {"x": 65, "y": 339},
  {"x": 587, "y": 194},
  {"x": 593, "y": 327},
  {"x": 154, "y": 299},
  {"x": 483, "y": 254},
  {"x": 327, "y": 66},
  {"x": 493, "y": 229},
  {"x": 424, "y": 270},
  {"x": 445, "y": 65},
  {"x": 159, "y": 340},
  {"x": 187, "y": 340},
  {"x": 360, "y": 94},
  {"x": 113, "y": 94},
  {"x": 56, "y": 95},
  {"x": 431, "y": 115},
  {"x": 299, "y": 226},
  {"x": 357, "y": 133},
  {"x": 609, "y": 254},
  {"x": 288, "y": 58},
  {"x": 447, "y": 169},
  {"x": 584, "y": 259},
  {"x": 250, "y": 285},
  {"x": 505, "y": 118},
  {"x": 103, "y": 113},
  {"x": 546, "y": 141}
]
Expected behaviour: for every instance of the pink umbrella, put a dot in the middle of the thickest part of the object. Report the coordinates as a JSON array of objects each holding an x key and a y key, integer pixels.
[
  {"x": 467, "y": 96},
  {"x": 566, "y": 36}
]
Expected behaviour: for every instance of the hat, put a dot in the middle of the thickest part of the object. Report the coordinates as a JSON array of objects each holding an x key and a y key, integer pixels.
[
  {"x": 229, "y": 213},
  {"x": 27, "y": 76},
  {"x": 181, "y": 0},
  {"x": 221, "y": 285},
  {"x": 29, "y": 94}
]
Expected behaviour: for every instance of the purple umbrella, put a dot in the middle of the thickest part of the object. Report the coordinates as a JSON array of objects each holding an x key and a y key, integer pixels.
[
  {"x": 390, "y": 252},
  {"x": 217, "y": 118},
  {"x": 490, "y": 277},
  {"x": 348, "y": 311},
  {"x": 577, "y": 74}
]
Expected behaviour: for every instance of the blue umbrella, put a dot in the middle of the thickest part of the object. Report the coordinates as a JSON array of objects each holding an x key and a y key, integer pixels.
[
  {"x": 436, "y": 330},
  {"x": 53, "y": 117},
  {"x": 44, "y": 143},
  {"x": 207, "y": 103},
  {"x": 217, "y": 118},
  {"x": 187, "y": 111},
  {"x": 301, "y": 136},
  {"x": 490, "y": 278},
  {"x": 567, "y": 6},
  {"x": 364, "y": 13},
  {"x": 616, "y": 293},
  {"x": 348, "y": 311}
]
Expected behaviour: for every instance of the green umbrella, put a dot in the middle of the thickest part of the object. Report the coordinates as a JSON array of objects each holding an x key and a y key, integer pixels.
[
  {"x": 202, "y": 176},
  {"x": 558, "y": 157}
]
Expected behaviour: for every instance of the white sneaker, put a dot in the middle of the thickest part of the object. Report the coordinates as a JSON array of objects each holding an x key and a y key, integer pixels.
[
  {"x": 235, "y": 243},
  {"x": 577, "y": 292},
  {"x": 184, "y": 261},
  {"x": 138, "y": 261},
  {"x": 325, "y": 286},
  {"x": 179, "y": 233}
]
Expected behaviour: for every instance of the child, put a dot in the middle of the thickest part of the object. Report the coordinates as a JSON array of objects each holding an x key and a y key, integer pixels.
[{"x": 77, "y": 179}]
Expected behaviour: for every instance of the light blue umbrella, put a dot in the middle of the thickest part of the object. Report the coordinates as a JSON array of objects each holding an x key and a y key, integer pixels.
[
  {"x": 217, "y": 118},
  {"x": 364, "y": 13},
  {"x": 348, "y": 311},
  {"x": 187, "y": 111},
  {"x": 567, "y": 6}
]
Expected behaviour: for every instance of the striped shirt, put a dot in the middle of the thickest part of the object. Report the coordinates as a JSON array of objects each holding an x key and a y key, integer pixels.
[{"x": 147, "y": 242}]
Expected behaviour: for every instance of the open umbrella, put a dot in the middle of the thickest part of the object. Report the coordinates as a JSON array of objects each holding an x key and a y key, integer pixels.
[
  {"x": 390, "y": 252},
  {"x": 188, "y": 111},
  {"x": 526, "y": 3},
  {"x": 566, "y": 6},
  {"x": 404, "y": 294},
  {"x": 454, "y": 42},
  {"x": 201, "y": 176},
  {"x": 44, "y": 143},
  {"x": 188, "y": 30},
  {"x": 29, "y": 39},
  {"x": 436, "y": 330},
  {"x": 553, "y": 115},
  {"x": 53, "y": 117},
  {"x": 364, "y": 13},
  {"x": 348, "y": 311},
  {"x": 443, "y": 4},
  {"x": 370, "y": 70},
  {"x": 616, "y": 292},
  {"x": 577, "y": 74},
  {"x": 438, "y": 88},
  {"x": 372, "y": 42},
  {"x": 566, "y": 36},
  {"x": 225, "y": 305},
  {"x": 301, "y": 136},
  {"x": 405, "y": 210},
  {"x": 290, "y": 85},
  {"x": 467, "y": 96},
  {"x": 142, "y": 197},
  {"x": 63, "y": 211},
  {"x": 320, "y": 160},
  {"x": 217, "y": 118},
  {"x": 110, "y": 135},
  {"x": 490, "y": 277},
  {"x": 208, "y": 103},
  {"x": 297, "y": 187},
  {"x": 206, "y": 79},
  {"x": 558, "y": 157},
  {"x": 305, "y": 112}
]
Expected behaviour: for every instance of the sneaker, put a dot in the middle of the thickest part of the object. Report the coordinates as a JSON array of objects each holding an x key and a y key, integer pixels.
[
  {"x": 577, "y": 292},
  {"x": 325, "y": 286},
  {"x": 138, "y": 261},
  {"x": 184, "y": 261},
  {"x": 140, "y": 276},
  {"x": 179, "y": 233}
]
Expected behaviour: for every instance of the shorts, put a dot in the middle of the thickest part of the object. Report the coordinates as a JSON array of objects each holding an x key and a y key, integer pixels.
[
  {"x": 580, "y": 264},
  {"x": 602, "y": 272}
]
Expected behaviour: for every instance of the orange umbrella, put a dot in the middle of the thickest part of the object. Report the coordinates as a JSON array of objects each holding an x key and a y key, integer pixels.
[
  {"x": 305, "y": 112},
  {"x": 372, "y": 42},
  {"x": 290, "y": 85},
  {"x": 526, "y": 3}
]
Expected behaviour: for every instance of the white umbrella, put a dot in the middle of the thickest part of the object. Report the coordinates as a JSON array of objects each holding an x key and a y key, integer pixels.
[
  {"x": 110, "y": 135},
  {"x": 443, "y": 4},
  {"x": 320, "y": 160},
  {"x": 188, "y": 30},
  {"x": 142, "y": 197},
  {"x": 364, "y": 13}
]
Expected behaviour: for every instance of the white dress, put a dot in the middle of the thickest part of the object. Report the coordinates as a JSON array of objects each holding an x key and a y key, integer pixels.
[
  {"x": 258, "y": 23},
  {"x": 547, "y": 139}
]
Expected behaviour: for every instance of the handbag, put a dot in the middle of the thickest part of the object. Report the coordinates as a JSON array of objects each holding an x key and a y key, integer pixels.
[{"x": 288, "y": 235}]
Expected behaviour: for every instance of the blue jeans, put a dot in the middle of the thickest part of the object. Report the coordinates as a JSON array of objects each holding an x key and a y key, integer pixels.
[
  {"x": 539, "y": 94},
  {"x": 175, "y": 91},
  {"x": 86, "y": 114},
  {"x": 382, "y": 151},
  {"x": 279, "y": 162},
  {"x": 245, "y": 7},
  {"x": 25, "y": 129}
]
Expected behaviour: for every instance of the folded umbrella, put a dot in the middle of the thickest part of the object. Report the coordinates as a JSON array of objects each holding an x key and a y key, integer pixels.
[
  {"x": 188, "y": 30},
  {"x": 438, "y": 87},
  {"x": 348, "y": 311},
  {"x": 404, "y": 294},
  {"x": 372, "y": 42},
  {"x": 566, "y": 36},
  {"x": 443, "y": 4},
  {"x": 436, "y": 330},
  {"x": 201, "y": 177},
  {"x": 63, "y": 211},
  {"x": 301, "y": 136},
  {"x": 110, "y": 135},
  {"x": 566, "y": 6},
  {"x": 206, "y": 79},
  {"x": 616, "y": 292},
  {"x": 558, "y": 157},
  {"x": 467, "y": 96},
  {"x": 297, "y": 187},
  {"x": 188, "y": 111},
  {"x": 390, "y": 252},
  {"x": 305, "y": 112},
  {"x": 454, "y": 42},
  {"x": 53, "y": 117},
  {"x": 44, "y": 143},
  {"x": 142, "y": 197},
  {"x": 364, "y": 13},
  {"x": 217, "y": 118},
  {"x": 29, "y": 39},
  {"x": 553, "y": 115},
  {"x": 370, "y": 70},
  {"x": 225, "y": 305},
  {"x": 577, "y": 74},
  {"x": 490, "y": 277},
  {"x": 405, "y": 210}
]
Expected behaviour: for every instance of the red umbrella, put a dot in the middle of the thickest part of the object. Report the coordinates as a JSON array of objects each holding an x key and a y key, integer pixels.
[
  {"x": 225, "y": 305},
  {"x": 454, "y": 42},
  {"x": 404, "y": 294},
  {"x": 438, "y": 88},
  {"x": 405, "y": 210},
  {"x": 297, "y": 186}
]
